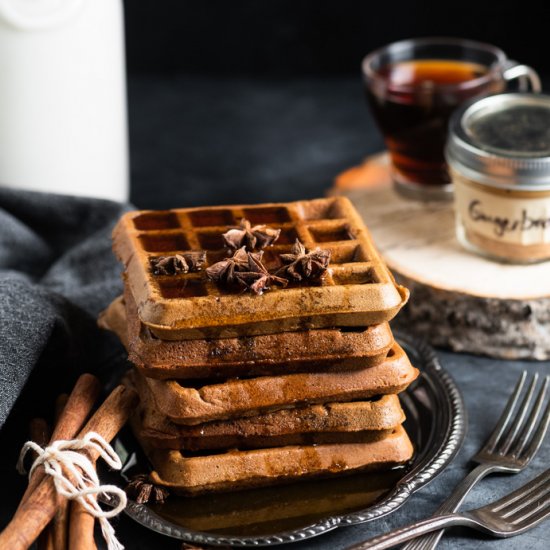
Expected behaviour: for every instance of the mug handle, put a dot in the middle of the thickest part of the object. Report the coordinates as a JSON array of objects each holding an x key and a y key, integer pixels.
[{"x": 527, "y": 76}]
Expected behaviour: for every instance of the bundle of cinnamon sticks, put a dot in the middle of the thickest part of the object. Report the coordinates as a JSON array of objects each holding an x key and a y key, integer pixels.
[{"x": 42, "y": 514}]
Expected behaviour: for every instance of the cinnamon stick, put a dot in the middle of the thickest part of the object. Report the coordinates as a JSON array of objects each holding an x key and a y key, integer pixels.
[
  {"x": 45, "y": 540},
  {"x": 61, "y": 403},
  {"x": 60, "y": 522},
  {"x": 78, "y": 407},
  {"x": 40, "y": 433},
  {"x": 81, "y": 529},
  {"x": 39, "y": 508}
]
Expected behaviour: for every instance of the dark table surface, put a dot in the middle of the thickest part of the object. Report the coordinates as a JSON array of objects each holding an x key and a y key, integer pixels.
[{"x": 198, "y": 140}]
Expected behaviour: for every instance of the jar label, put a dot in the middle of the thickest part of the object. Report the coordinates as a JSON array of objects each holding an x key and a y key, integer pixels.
[{"x": 505, "y": 218}]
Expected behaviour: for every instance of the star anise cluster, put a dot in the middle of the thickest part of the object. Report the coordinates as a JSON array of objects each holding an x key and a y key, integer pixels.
[
  {"x": 303, "y": 264},
  {"x": 178, "y": 263},
  {"x": 251, "y": 237},
  {"x": 142, "y": 490},
  {"x": 246, "y": 270}
]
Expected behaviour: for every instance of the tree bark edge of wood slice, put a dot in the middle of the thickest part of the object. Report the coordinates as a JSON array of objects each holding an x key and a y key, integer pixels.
[{"x": 504, "y": 329}]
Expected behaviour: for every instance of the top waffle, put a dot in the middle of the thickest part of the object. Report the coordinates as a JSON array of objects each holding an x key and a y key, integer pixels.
[{"x": 358, "y": 290}]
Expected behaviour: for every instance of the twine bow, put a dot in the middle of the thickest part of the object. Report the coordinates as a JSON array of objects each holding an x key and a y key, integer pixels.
[{"x": 75, "y": 476}]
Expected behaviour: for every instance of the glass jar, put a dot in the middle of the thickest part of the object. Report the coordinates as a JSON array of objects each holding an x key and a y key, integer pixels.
[{"x": 498, "y": 152}]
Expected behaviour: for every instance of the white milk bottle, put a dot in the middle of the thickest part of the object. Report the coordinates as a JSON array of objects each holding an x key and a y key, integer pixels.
[{"x": 63, "y": 125}]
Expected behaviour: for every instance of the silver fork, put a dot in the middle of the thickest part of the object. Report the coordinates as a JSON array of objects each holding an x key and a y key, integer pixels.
[
  {"x": 510, "y": 448},
  {"x": 511, "y": 515}
]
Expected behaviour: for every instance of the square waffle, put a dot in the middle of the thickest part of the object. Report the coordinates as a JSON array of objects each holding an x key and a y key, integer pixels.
[
  {"x": 196, "y": 401},
  {"x": 269, "y": 354},
  {"x": 191, "y": 474},
  {"x": 358, "y": 290},
  {"x": 312, "y": 424}
]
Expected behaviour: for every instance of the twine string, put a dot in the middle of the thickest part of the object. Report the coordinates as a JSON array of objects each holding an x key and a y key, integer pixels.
[{"x": 75, "y": 477}]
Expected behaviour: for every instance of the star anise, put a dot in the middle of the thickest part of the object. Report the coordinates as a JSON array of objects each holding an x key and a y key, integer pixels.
[
  {"x": 178, "y": 263},
  {"x": 252, "y": 238},
  {"x": 224, "y": 271},
  {"x": 257, "y": 278},
  {"x": 303, "y": 264},
  {"x": 245, "y": 269},
  {"x": 142, "y": 490}
]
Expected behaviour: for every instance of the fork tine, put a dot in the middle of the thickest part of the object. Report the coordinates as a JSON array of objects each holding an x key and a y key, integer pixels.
[
  {"x": 519, "y": 417},
  {"x": 538, "y": 514},
  {"x": 530, "y": 506},
  {"x": 537, "y": 492},
  {"x": 506, "y": 415},
  {"x": 531, "y": 422},
  {"x": 507, "y": 517},
  {"x": 507, "y": 502},
  {"x": 539, "y": 435}
]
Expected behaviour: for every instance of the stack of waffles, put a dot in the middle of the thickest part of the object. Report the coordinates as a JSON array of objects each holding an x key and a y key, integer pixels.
[{"x": 261, "y": 344}]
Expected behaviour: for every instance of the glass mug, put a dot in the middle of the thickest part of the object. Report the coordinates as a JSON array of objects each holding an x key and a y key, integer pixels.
[{"x": 413, "y": 86}]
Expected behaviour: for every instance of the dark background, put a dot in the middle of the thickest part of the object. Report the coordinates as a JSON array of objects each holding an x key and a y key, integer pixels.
[
  {"x": 307, "y": 37},
  {"x": 248, "y": 101},
  {"x": 256, "y": 100}
]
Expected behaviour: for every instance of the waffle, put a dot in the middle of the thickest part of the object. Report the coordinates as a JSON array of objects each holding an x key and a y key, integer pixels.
[
  {"x": 271, "y": 354},
  {"x": 184, "y": 473},
  {"x": 195, "y": 401},
  {"x": 358, "y": 290},
  {"x": 312, "y": 424}
]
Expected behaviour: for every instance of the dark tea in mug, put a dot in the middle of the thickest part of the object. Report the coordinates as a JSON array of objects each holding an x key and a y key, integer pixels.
[
  {"x": 413, "y": 87},
  {"x": 413, "y": 111}
]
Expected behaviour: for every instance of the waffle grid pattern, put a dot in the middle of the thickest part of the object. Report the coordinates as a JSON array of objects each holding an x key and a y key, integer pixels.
[
  {"x": 324, "y": 225},
  {"x": 358, "y": 289}
]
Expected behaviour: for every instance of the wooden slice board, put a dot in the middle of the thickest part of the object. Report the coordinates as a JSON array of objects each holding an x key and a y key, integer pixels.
[{"x": 458, "y": 299}]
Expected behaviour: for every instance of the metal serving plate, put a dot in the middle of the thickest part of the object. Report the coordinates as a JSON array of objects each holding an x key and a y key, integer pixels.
[{"x": 436, "y": 422}]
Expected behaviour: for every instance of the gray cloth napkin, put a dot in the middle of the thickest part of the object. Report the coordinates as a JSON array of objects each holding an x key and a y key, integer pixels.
[{"x": 57, "y": 272}]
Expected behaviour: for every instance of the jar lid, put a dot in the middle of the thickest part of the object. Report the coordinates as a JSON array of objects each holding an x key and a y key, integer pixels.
[{"x": 503, "y": 141}]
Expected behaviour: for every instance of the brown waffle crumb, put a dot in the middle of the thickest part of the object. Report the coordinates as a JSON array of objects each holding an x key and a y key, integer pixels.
[
  {"x": 178, "y": 263},
  {"x": 246, "y": 270},
  {"x": 143, "y": 491},
  {"x": 252, "y": 238},
  {"x": 304, "y": 264}
]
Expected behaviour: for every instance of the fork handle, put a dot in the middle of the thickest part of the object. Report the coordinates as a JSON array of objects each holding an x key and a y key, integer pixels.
[
  {"x": 404, "y": 534},
  {"x": 429, "y": 542}
]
